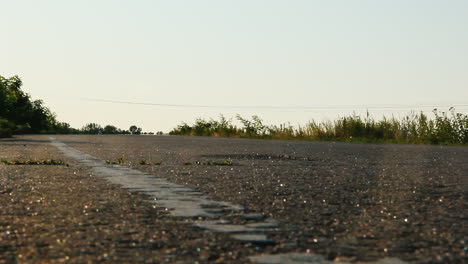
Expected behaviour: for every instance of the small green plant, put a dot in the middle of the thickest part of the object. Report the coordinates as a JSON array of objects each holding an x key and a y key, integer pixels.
[
  {"x": 187, "y": 163},
  {"x": 34, "y": 162},
  {"x": 218, "y": 163},
  {"x": 120, "y": 160},
  {"x": 157, "y": 163},
  {"x": 142, "y": 162}
]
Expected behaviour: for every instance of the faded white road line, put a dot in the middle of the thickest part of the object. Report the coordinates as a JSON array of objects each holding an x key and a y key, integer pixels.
[{"x": 189, "y": 203}]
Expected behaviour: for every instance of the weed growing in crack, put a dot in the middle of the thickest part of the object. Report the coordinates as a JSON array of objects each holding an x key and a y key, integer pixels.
[
  {"x": 215, "y": 163},
  {"x": 222, "y": 163},
  {"x": 119, "y": 160},
  {"x": 34, "y": 162}
]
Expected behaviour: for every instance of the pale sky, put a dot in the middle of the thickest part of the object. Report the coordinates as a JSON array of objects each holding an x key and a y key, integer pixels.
[{"x": 331, "y": 57}]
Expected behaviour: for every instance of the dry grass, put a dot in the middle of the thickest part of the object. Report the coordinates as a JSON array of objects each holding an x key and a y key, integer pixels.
[{"x": 449, "y": 128}]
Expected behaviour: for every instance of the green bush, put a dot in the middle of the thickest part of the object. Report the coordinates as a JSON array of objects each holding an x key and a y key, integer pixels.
[
  {"x": 5, "y": 128},
  {"x": 20, "y": 112}
]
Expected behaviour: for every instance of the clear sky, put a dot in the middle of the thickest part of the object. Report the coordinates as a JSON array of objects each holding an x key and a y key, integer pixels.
[{"x": 331, "y": 57}]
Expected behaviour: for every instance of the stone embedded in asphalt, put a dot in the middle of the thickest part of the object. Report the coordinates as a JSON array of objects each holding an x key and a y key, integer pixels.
[
  {"x": 253, "y": 216},
  {"x": 269, "y": 223},
  {"x": 253, "y": 238},
  {"x": 226, "y": 228}
]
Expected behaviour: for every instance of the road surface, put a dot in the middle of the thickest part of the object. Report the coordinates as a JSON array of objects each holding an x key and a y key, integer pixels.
[{"x": 197, "y": 199}]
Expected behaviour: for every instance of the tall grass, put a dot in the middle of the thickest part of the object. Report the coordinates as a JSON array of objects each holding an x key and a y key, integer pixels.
[{"x": 415, "y": 128}]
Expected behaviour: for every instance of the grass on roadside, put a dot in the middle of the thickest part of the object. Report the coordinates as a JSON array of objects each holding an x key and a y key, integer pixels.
[{"x": 447, "y": 128}]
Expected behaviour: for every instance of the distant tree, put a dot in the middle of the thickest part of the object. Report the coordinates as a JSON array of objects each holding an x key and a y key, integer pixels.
[
  {"x": 92, "y": 128},
  {"x": 65, "y": 128},
  {"x": 135, "y": 130},
  {"x": 19, "y": 113},
  {"x": 109, "y": 129}
]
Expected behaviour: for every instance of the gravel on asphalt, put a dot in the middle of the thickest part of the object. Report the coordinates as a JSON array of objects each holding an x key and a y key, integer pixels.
[
  {"x": 63, "y": 213},
  {"x": 354, "y": 202}
]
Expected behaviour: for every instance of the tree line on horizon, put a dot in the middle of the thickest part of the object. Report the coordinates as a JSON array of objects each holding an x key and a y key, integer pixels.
[
  {"x": 20, "y": 114},
  {"x": 95, "y": 129}
]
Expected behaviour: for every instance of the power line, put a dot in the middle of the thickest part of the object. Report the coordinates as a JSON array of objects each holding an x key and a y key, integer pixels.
[{"x": 337, "y": 107}]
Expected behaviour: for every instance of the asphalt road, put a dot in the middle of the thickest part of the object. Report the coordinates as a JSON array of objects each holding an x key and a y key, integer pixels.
[{"x": 343, "y": 201}]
